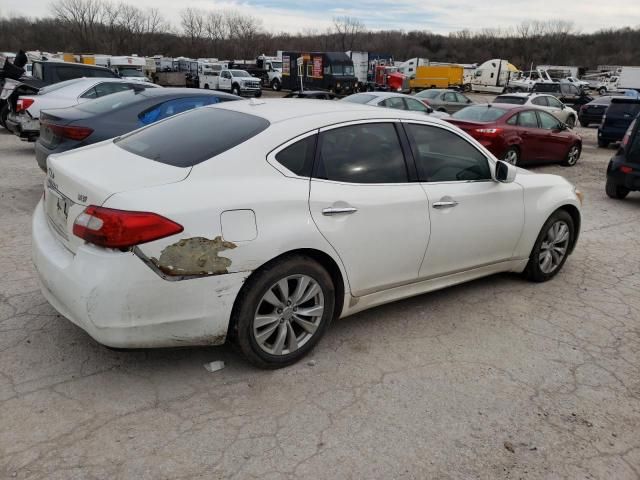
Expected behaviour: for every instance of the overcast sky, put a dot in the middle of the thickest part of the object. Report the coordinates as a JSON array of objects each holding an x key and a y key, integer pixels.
[{"x": 441, "y": 16}]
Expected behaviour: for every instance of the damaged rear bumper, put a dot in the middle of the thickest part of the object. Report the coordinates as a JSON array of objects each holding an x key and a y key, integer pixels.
[{"x": 122, "y": 303}]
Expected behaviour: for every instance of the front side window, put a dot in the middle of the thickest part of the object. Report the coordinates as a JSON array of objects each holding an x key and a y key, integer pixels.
[
  {"x": 450, "y": 97},
  {"x": 554, "y": 102},
  {"x": 548, "y": 121},
  {"x": 443, "y": 156},
  {"x": 298, "y": 157},
  {"x": 393, "y": 102},
  {"x": 366, "y": 153},
  {"x": 416, "y": 106}
]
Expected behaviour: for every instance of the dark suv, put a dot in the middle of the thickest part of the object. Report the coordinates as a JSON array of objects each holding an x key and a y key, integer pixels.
[
  {"x": 617, "y": 119},
  {"x": 566, "y": 92},
  {"x": 623, "y": 171}
]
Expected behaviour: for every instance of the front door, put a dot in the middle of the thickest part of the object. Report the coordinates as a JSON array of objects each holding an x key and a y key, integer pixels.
[
  {"x": 475, "y": 221},
  {"x": 363, "y": 203},
  {"x": 555, "y": 146}
]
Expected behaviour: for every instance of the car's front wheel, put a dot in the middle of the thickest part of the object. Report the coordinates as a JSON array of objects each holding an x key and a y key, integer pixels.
[
  {"x": 615, "y": 191},
  {"x": 283, "y": 310},
  {"x": 512, "y": 156},
  {"x": 572, "y": 156},
  {"x": 571, "y": 121},
  {"x": 551, "y": 248}
]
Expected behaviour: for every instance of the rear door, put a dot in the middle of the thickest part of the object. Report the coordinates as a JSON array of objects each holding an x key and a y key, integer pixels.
[
  {"x": 475, "y": 221},
  {"x": 364, "y": 204}
]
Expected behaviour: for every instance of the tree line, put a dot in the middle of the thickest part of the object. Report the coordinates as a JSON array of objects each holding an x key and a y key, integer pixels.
[{"x": 102, "y": 26}]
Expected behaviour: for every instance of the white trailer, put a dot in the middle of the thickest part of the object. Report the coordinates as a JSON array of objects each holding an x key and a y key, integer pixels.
[
  {"x": 493, "y": 76},
  {"x": 629, "y": 78},
  {"x": 130, "y": 68}
]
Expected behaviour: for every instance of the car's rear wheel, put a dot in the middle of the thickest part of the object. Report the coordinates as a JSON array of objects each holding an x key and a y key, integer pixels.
[
  {"x": 512, "y": 156},
  {"x": 282, "y": 311},
  {"x": 551, "y": 248},
  {"x": 572, "y": 156},
  {"x": 615, "y": 191}
]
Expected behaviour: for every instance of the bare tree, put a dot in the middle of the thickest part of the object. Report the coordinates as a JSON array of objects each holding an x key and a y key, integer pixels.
[
  {"x": 347, "y": 29},
  {"x": 82, "y": 17}
]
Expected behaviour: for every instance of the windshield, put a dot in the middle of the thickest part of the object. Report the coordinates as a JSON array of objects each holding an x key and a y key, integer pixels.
[
  {"x": 512, "y": 100},
  {"x": 239, "y": 73},
  {"x": 277, "y": 65},
  {"x": 339, "y": 69},
  {"x": 359, "y": 98},
  {"x": 131, "y": 72},
  {"x": 480, "y": 113},
  {"x": 428, "y": 94}
]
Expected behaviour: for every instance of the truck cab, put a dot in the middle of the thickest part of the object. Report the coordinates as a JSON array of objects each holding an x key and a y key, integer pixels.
[
  {"x": 239, "y": 82},
  {"x": 492, "y": 76}
]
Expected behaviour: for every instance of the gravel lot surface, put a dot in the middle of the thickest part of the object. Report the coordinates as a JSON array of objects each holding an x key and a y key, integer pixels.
[{"x": 496, "y": 379}]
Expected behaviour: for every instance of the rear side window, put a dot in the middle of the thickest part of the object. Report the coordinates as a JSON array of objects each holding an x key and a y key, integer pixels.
[
  {"x": 443, "y": 156},
  {"x": 192, "y": 138},
  {"x": 541, "y": 101},
  {"x": 367, "y": 153},
  {"x": 173, "y": 107},
  {"x": 298, "y": 157}
]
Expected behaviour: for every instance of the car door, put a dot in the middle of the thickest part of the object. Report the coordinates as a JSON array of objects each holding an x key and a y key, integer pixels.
[
  {"x": 557, "y": 109},
  {"x": 363, "y": 202},
  {"x": 450, "y": 101},
  {"x": 225, "y": 81},
  {"x": 462, "y": 102},
  {"x": 414, "y": 105},
  {"x": 555, "y": 143},
  {"x": 475, "y": 221},
  {"x": 531, "y": 136},
  {"x": 393, "y": 102}
]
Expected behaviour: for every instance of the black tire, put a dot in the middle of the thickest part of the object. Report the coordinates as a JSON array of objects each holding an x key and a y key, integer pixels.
[
  {"x": 603, "y": 143},
  {"x": 584, "y": 124},
  {"x": 249, "y": 298},
  {"x": 513, "y": 152},
  {"x": 533, "y": 271},
  {"x": 602, "y": 91},
  {"x": 615, "y": 191},
  {"x": 276, "y": 86},
  {"x": 442, "y": 109},
  {"x": 235, "y": 89},
  {"x": 571, "y": 121},
  {"x": 569, "y": 160},
  {"x": 258, "y": 94},
  {"x": 4, "y": 113}
]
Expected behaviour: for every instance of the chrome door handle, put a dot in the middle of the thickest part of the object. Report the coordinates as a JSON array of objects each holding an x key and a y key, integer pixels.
[
  {"x": 338, "y": 211},
  {"x": 449, "y": 204}
]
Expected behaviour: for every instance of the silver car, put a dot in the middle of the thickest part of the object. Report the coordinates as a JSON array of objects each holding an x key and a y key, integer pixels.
[
  {"x": 544, "y": 101},
  {"x": 399, "y": 101},
  {"x": 442, "y": 100}
]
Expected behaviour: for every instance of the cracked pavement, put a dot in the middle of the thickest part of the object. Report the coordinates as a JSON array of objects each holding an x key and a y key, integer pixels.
[{"x": 495, "y": 379}]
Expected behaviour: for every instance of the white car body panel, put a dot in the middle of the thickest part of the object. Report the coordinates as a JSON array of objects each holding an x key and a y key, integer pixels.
[
  {"x": 123, "y": 299},
  {"x": 562, "y": 114}
]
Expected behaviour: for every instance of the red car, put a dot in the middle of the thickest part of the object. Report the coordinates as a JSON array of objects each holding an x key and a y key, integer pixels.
[{"x": 519, "y": 134}]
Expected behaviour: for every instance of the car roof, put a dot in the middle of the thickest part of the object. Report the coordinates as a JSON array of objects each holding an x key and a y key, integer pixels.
[
  {"x": 183, "y": 92},
  {"x": 276, "y": 110},
  {"x": 504, "y": 106},
  {"x": 386, "y": 94}
]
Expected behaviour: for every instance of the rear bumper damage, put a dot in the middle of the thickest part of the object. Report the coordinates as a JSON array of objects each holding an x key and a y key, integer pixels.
[{"x": 122, "y": 303}]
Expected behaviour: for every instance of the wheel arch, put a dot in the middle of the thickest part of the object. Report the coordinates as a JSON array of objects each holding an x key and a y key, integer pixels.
[
  {"x": 577, "y": 219},
  {"x": 322, "y": 258}
]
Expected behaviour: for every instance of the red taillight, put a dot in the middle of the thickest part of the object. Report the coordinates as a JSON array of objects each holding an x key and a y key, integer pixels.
[
  {"x": 23, "y": 104},
  {"x": 626, "y": 169},
  {"x": 70, "y": 132},
  {"x": 488, "y": 132},
  {"x": 112, "y": 228}
]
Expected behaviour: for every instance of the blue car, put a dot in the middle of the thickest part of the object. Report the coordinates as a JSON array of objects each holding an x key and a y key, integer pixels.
[{"x": 114, "y": 115}]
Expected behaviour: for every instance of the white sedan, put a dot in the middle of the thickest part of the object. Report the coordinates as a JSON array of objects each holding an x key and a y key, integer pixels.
[
  {"x": 25, "y": 121},
  {"x": 543, "y": 101},
  {"x": 264, "y": 220},
  {"x": 398, "y": 101}
]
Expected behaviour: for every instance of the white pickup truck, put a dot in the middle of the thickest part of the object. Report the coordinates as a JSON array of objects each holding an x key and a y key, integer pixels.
[{"x": 239, "y": 82}]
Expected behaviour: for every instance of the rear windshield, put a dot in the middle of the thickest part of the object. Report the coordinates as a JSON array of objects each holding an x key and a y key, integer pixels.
[
  {"x": 629, "y": 110},
  {"x": 513, "y": 100},
  {"x": 190, "y": 138},
  {"x": 359, "y": 98},
  {"x": 111, "y": 102},
  {"x": 480, "y": 113},
  {"x": 59, "y": 85},
  {"x": 546, "y": 87}
]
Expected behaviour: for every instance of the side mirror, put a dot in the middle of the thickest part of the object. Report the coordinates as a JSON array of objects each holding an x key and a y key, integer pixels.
[
  {"x": 563, "y": 106},
  {"x": 563, "y": 126},
  {"x": 505, "y": 172},
  {"x": 429, "y": 110},
  {"x": 469, "y": 100}
]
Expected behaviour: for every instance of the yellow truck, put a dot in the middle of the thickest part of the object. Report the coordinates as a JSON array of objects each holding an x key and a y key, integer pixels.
[{"x": 437, "y": 76}]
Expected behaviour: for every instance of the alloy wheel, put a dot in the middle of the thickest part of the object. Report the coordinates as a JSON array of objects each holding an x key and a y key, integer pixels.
[
  {"x": 554, "y": 247},
  {"x": 288, "y": 314},
  {"x": 573, "y": 155},
  {"x": 511, "y": 157}
]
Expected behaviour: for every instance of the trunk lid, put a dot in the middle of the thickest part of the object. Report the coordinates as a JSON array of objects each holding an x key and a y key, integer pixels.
[
  {"x": 82, "y": 177},
  {"x": 468, "y": 125}
]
